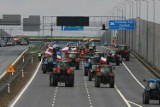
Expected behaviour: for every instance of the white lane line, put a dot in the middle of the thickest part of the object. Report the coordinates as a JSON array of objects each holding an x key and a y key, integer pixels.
[
  {"x": 135, "y": 104},
  {"x": 54, "y": 99},
  {"x": 89, "y": 98},
  {"x": 1, "y": 76},
  {"x": 25, "y": 88},
  {"x": 132, "y": 75},
  {"x": 125, "y": 100}
]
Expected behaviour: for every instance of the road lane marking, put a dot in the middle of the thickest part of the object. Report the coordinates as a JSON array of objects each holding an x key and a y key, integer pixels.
[
  {"x": 1, "y": 76},
  {"x": 89, "y": 98},
  {"x": 54, "y": 99},
  {"x": 132, "y": 75},
  {"x": 125, "y": 100},
  {"x": 25, "y": 88},
  {"x": 135, "y": 104}
]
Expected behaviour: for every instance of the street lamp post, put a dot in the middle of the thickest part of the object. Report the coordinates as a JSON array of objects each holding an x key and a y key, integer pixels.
[
  {"x": 120, "y": 7},
  {"x": 131, "y": 17},
  {"x": 147, "y": 30},
  {"x": 154, "y": 9}
]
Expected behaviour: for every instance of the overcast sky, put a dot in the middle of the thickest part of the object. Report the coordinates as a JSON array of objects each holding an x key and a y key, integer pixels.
[{"x": 72, "y": 8}]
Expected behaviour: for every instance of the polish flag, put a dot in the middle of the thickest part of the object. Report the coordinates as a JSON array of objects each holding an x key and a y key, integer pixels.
[
  {"x": 59, "y": 57},
  {"x": 74, "y": 49},
  {"x": 50, "y": 48},
  {"x": 65, "y": 49},
  {"x": 48, "y": 53},
  {"x": 103, "y": 60}
]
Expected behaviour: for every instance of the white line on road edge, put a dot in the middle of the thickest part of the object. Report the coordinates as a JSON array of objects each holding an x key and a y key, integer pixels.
[
  {"x": 25, "y": 88},
  {"x": 122, "y": 96},
  {"x": 132, "y": 75},
  {"x": 13, "y": 63},
  {"x": 135, "y": 104}
]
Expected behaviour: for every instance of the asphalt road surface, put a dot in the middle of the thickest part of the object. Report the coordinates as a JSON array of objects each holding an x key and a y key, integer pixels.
[
  {"x": 127, "y": 92},
  {"x": 8, "y": 55}
]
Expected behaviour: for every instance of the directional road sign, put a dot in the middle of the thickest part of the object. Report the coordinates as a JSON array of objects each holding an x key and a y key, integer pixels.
[
  {"x": 72, "y": 28},
  {"x": 121, "y": 24}
]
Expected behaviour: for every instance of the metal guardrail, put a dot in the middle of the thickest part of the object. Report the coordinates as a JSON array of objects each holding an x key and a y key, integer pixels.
[{"x": 9, "y": 80}]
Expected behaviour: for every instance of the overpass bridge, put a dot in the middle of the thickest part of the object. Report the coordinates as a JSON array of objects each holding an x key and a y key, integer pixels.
[{"x": 62, "y": 38}]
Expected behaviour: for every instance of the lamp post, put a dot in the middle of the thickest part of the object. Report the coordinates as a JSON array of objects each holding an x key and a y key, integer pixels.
[
  {"x": 131, "y": 17},
  {"x": 147, "y": 30},
  {"x": 120, "y": 7},
  {"x": 154, "y": 9}
]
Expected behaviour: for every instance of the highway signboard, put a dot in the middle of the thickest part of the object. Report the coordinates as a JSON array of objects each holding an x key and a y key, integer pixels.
[
  {"x": 121, "y": 24},
  {"x": 72, "y": 28}
]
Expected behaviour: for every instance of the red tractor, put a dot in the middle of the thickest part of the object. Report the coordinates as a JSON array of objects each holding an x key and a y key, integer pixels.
[{"x": 124, "y": 52}]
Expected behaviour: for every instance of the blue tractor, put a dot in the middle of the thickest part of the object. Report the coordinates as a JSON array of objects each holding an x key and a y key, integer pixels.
[{"x": 152, "y": 90}]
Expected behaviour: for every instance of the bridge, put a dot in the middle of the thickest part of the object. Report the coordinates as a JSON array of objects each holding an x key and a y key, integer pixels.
[{"x": 62, "y": 38}]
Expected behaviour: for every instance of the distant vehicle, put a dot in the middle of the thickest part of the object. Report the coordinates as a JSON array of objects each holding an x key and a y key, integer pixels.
[
  {"x": 10, "y": 43},
  {"x": 151, "y": 91},
  {"x": 23, "y": 43},
  {"x": 3, "y": 43},
  {"x": 104, "y": 75},
  {"x": 114, "y": 57},
  {"x": 62, "y": 73},
  {"x": 124, "y": 52},
  {"x": 74, "y": 59}
]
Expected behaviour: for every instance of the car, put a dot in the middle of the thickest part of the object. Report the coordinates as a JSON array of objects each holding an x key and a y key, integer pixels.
[
  {"x": 48, "y": 63},
  {"x": 10, "y": 43},
  {"x": 114, "y": 57},
  {"x": 63, "y": 73},
  {"x": 151, "y": 90},
  {"x": 104, "y": 74},
  {"x": 74, "y": 59},
  {"x": 124, "y": 52},
  {"x": 23, "y": 42},
  {"x": 3, "y": 43}
]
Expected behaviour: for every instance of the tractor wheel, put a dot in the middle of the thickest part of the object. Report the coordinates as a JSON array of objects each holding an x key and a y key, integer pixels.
[
  {"x": 51, "y": 79},
  {"x": 146, "y": 98},
  {"x": 77, "y": 66},
  {"x": 117, "y": 62},
  {"x": 108, "y": 61},
  {"x": 55, "y": 80},
  {"x": 86, "y": 72},
  {"x": 127, "y": 57},
  {"x": 111, "y": 84},
  {"x": 97, "y": 81},
  {"x": 44, "y": 68},
  {"x": 159, "y": 101},
  {"x": 70, "y": 81},
  {"x": 90, "y": 76}
]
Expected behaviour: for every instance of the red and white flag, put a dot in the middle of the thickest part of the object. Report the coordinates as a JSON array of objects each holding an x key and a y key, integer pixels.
[
  {"x": 50, "y": 48},
  {"x": 48, "y": 53},
  {"x": 65, "y": 49},
  {"x": 59, "y": 57},
  {"x": 103, "y": 60},
  {"x": 74, "y": 49}
]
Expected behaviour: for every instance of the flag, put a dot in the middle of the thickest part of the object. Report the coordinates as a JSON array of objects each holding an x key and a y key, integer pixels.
[
  {"x": 58, "y": 57},
  {"x": 50, "y": 48},
  {"x": 74, "y": 49},
  {"x": 48, "y": 53},
  {"x": 103, "y": 60},
  {"x": 65, "y": 49}
]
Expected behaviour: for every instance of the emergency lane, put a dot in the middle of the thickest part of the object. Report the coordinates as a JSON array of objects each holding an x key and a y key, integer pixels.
[
  {"x": 8, "y": 55},
  {"x": 125, "y": 79}
]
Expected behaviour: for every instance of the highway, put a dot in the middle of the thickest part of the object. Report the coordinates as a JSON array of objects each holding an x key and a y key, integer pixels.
[
  {"x": 8, "y": 55},
  {"x": 127, "y": 92}
]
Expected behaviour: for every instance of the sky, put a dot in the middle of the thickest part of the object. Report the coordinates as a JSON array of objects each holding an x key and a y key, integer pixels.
[{"x": 73, "y": 8}]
